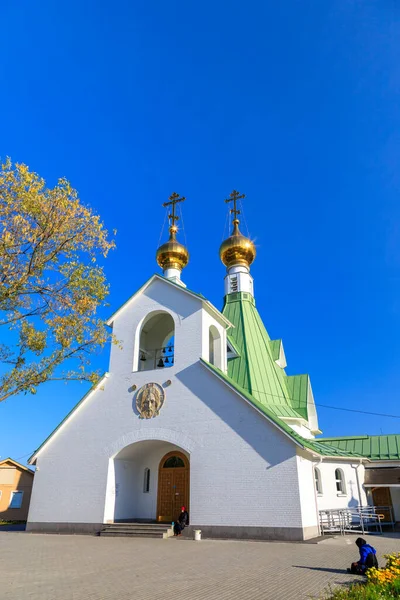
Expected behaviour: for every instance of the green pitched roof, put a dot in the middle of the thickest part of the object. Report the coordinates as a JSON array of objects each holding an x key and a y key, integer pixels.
[
  {"x": 374, "y": 447},
  {"x": 297, "y": 386},
  {"x": 255, "y": 369},
  {"x": 275, "y": 346},
  {"x": 232, "y": 344}
]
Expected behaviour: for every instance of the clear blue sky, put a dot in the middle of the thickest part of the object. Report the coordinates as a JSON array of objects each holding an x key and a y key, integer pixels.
[{"x": 296, "y": 103}]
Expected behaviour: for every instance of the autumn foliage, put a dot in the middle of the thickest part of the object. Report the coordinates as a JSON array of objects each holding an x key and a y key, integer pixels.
[{"x": 51, "y": 284}]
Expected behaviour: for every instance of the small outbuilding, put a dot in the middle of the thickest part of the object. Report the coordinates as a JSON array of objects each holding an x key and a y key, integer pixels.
[{"x": 16, "y": 483}]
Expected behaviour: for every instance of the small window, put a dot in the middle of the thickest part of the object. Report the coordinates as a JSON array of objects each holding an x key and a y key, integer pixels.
[
  {"x": 234, "y": 284},
  {"x": 16, "y": 500},
  {"x": 146, "y": 484},
  {"x": 318, "y": 481},
  {"x": 340, "y": 485},
  {"x": 173, "y": 462}
]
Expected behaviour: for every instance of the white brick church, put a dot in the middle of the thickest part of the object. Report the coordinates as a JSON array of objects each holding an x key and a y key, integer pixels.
[{"x": 197, "y": 410}]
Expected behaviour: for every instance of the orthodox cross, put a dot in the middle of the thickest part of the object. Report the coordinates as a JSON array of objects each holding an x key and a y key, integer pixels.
[
  {"x": 234, "y": 197},
  {"x": 173, "y": 201}
]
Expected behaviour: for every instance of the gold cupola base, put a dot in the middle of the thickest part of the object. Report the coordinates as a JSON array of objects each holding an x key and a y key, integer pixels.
[
  {"x": 237, "y": 249},
  {"x": 172, "y": 254}
]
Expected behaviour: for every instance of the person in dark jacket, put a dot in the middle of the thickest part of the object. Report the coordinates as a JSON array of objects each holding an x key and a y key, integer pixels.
[
  {"x": 367, "y": 558},
  {"x": 183, "y": 521}
]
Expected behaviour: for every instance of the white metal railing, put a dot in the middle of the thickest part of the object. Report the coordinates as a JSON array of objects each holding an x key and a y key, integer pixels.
[{"x": 360, "y": 518}]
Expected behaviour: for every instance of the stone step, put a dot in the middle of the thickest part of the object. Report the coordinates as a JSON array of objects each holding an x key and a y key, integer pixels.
[
  {"x": 158, "y": 536},
  {"x": 137, "y": 529},
  {"x": 152, "y": 525},
  {"x": 137, "y": 526},
  {"x": 151, "y": 530}
]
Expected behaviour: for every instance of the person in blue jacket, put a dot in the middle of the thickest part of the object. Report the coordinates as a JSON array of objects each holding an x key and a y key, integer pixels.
[{"x": 367, "y": 558}]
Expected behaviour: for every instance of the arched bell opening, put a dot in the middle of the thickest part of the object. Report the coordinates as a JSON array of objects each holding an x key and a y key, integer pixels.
[{"x": 155, "y": 342}]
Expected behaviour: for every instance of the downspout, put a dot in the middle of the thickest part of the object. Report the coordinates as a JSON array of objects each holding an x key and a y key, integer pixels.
[{"x": 356, "y": 467}]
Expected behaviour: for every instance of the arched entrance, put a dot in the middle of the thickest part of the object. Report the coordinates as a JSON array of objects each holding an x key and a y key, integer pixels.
[
  {"x": 132, "y": 492},
  {"x": 173, "y": 486}
]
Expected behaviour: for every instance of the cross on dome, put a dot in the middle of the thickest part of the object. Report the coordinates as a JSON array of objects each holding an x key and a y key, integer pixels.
[
  {"x": 237, "y": 249},
  {"x": 234, "y": 197},
  {"x": 172, "y": 256},
  {"x": 173, "y": 201}
]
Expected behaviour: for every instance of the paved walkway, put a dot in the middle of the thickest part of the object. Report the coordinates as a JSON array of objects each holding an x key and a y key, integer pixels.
[{"x": 55, "y": 567}]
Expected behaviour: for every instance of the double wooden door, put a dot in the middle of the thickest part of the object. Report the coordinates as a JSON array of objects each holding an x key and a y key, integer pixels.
[
  {"x": 173, "y": 486},
  {"x": 381, "y": 497}
]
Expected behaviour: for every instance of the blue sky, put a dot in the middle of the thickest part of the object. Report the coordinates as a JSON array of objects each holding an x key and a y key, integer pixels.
[{"x": 295, "y": 103}]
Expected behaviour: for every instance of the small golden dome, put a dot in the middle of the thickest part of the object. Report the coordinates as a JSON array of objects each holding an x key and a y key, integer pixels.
[
  {"x": 172, "y": 254},
  {"x": 237, "y": 249}
]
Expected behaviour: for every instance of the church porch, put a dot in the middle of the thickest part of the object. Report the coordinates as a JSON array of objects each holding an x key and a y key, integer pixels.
[{"x": 148, "y": 482}]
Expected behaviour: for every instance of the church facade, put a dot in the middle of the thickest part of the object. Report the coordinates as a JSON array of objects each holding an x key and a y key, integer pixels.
[{"x": 197, "y": 411}]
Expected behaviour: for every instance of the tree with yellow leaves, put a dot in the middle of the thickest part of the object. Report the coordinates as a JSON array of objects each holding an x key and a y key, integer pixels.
[{"x": 51, "y": 284}]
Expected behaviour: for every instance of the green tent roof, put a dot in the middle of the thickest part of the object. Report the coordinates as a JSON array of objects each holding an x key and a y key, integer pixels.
[
  {"x": 374, "y": 447},
  {"x": 255, "y": 369}
]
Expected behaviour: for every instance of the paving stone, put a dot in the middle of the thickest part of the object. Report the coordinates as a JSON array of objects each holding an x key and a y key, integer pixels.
[{"x": 67, "y": 567}]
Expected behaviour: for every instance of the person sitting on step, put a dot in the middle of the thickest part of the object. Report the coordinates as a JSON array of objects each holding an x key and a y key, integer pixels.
[{"x": 183, "y": 521}]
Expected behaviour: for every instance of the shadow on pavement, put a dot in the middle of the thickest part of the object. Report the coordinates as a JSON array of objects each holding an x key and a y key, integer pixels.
[{"x": 321, "y": 569}]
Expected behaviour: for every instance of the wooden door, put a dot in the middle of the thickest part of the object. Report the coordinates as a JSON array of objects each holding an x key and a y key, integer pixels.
[
  {"x": 179, "y": 491},
  {"x": 165, "y": 499},
  {"x": 381, "y": 497},
  {"x": 173, "y": 486}
]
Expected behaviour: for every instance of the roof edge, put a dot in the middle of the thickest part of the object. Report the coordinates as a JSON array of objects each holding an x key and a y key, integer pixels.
[
  {"x": 253, "y": 401},
  {"x": 200, "y": 297},
  {"x": 346, "y": 437},
  {"x": 17, "y": 464}
]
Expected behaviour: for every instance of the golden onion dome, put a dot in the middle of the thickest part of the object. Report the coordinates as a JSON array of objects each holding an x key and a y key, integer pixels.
[
  {"x": 237, "y": 249},
  {"x": 172, "y": 254}
]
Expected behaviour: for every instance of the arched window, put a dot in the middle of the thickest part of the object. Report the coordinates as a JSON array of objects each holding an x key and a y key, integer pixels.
[
  {"x": 156, "y": 349},
  {"x": 173, "y": 462},
  {"x": 318, "y": 480},
  {"x": 215, "y": 349},
  {"x": 340, "y": 483},
  {"x": 146, "y": 483}
]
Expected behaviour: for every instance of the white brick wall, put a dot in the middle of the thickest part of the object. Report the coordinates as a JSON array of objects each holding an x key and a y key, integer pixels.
[
  {"x": 307, "y": 490},
  {"x": 330, "y": 498}
]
